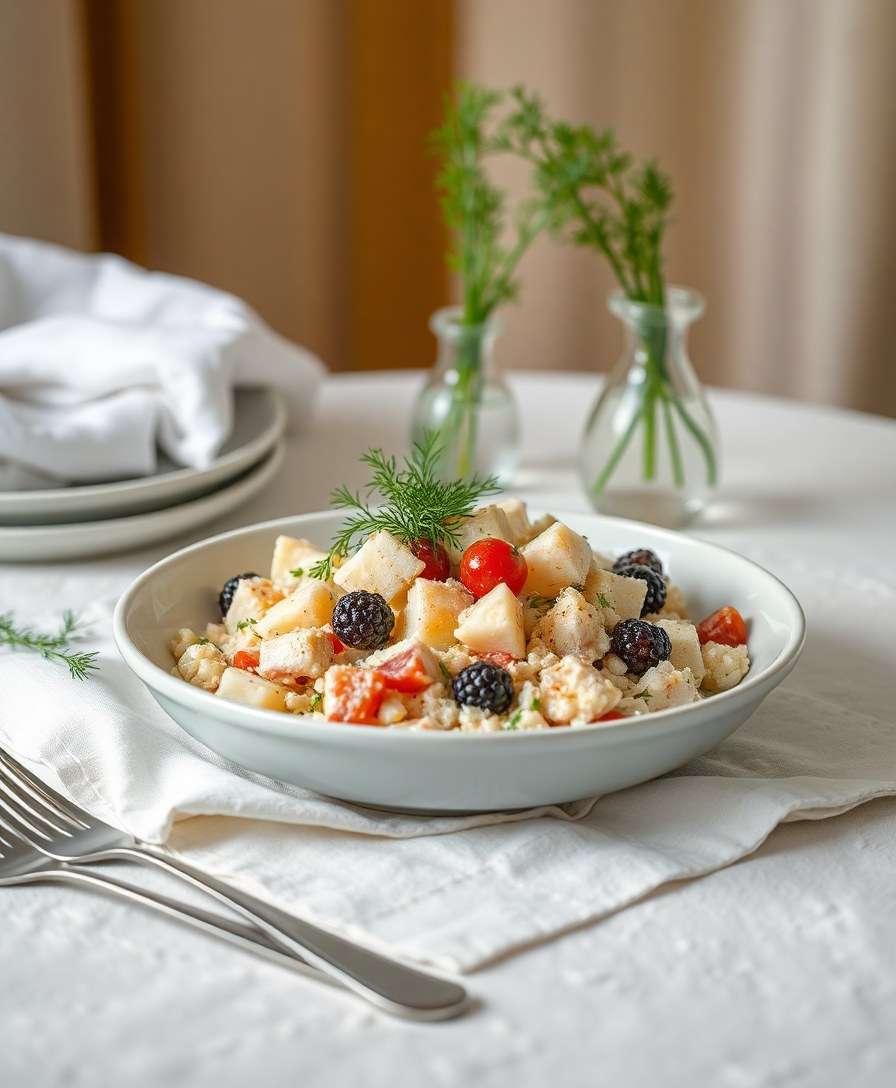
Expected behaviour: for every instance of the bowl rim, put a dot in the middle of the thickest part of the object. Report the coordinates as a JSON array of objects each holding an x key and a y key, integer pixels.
[{"x": 753, "y": 688}]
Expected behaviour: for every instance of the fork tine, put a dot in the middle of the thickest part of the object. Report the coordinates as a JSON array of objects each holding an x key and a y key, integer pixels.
[
  {"x": 18, "y": 830},
  {"x": 40, "y": 791},
  {"x": 12, "y": 804}
]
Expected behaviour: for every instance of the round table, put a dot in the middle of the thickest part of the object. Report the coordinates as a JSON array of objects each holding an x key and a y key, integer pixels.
[{"x": 780, "y": 970}]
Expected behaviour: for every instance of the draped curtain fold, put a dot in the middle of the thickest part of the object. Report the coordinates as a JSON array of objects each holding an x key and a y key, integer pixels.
[{"x": 277, "y": 149}]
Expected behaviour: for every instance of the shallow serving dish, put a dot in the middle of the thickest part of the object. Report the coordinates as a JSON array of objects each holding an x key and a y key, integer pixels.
[{"x": 454, "y": 771}]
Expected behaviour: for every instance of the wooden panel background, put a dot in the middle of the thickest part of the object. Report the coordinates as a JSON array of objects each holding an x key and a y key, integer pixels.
[{"x": 277, "y": 149}]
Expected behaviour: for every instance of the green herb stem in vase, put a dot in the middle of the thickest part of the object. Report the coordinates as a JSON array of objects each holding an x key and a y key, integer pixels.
[
  {"x": 649, "y": 449},
  {"x": 464, "y": 401}
]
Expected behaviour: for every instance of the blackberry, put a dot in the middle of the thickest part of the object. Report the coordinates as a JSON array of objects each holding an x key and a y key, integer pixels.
[
  {"x": 644, "y": 557},
  {"x": 363, "y": 620},
  {"x": 656, "y": 585},
  {"x": 225, "y": 597},
  {"x": 484, "y": 685},
  {"x": 641, "y": 645}
]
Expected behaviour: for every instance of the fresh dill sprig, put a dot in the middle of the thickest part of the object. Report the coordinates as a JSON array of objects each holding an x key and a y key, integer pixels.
[
  {"x": 418, "y": 505},
  {"x": 595, "y": 192},
  {"x": 474, "y": 208},
  {"x": 52, "y": 647}
]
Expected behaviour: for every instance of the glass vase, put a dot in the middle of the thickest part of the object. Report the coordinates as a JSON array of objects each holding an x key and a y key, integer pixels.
[
  {"x": 649, "y": 450},
  {"x": 467, "y": 403}
]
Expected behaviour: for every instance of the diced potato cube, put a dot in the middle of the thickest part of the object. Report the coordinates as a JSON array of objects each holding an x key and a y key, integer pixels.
[
  {"x": 494, "y": 624},
  {"x": 381, "y": 565},
  {"x": 573, "y": 626},
  {"x": 625, "y": 596},
  {"x": 253, "y": 597},
  {"x": 556, "y": 558},
  {"x": 240, "y": 686},
  {"x": 292, "y": 554},
  {"x": 432, "y": 611},
  {"x": 487, "y": 521},
  {"x": 537, "y": 527},
  {"x": 598, "y": 559},
  {"x": 517, "y": 519},
  {"x": 303, "y": 652},
  {"x": 686, "y": 653},
  {"x": 311, "y": 605}
]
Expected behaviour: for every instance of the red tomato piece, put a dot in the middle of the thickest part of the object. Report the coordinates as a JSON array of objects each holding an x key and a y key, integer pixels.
[
  {"x": 354, "y": 694},
  {"x": 437, "y": 566},
  {"x": 338, "y": 644},
  {"x": 497, "y": 657},
  {"x": 246, "y": 659},
  {"x": 610, "y": 716},
  {"x": 725, "y": 626},
  {"x": 406, "y": 671},
  {"x": 488, "y": 562}
]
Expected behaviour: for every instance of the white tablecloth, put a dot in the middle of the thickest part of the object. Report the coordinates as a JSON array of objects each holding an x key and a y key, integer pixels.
[{"x": 778, "y": 971}]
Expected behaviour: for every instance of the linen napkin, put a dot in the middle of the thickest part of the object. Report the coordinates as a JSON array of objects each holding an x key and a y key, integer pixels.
[
  {"x": 102, "y": 363},
  {"x": 459, "y": 891}
]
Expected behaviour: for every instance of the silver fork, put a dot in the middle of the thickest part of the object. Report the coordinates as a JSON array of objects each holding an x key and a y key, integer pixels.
[
  {"x": 20, "y": 863},
  {"x": 61, "y": 831}
]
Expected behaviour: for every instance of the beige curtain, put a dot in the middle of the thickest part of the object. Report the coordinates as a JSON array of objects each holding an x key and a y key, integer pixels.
[
  {"x": 276, "y": 148},
  {"x": 777, "y": 122}
]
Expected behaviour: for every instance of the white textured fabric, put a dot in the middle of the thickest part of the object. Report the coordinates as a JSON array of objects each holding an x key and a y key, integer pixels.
[
  {"x": 776, "y": 971},
  {"x": 103, "y": 362},
  {"x": 457, "y": 891}
]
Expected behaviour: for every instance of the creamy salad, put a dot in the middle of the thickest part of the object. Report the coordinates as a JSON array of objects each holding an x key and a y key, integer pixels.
[{"x": 510, "y": 624}]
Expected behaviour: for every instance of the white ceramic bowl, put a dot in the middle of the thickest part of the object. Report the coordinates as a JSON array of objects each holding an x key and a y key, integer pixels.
[{"x": 456, "y": 772}]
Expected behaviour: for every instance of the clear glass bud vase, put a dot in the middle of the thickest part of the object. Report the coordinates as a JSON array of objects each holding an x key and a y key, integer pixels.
[
  {"x": 467, "y": 403},
  {"x": 650, "y": 446}
]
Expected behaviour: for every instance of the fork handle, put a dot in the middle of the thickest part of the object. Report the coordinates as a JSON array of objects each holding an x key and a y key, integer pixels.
[
  {"x": 387, "y": 983},
  {"x": 236, "y": 933}
]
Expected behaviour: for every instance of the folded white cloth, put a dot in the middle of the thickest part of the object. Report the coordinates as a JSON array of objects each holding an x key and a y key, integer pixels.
[
  {"x": 103, "y": 362},
  {"x": 457, "y": 892}
]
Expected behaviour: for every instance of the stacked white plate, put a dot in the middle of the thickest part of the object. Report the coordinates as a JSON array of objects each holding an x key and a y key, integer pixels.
[{"x": 98, "y": 519}]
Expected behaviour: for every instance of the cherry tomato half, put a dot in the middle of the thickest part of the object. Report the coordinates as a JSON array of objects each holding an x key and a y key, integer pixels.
[
  {"x": 437, "y": 565},
  {"x": 611, "y": 716},
  {"x": 725, "y": 626},
  {"x": 488, "y": 562}
]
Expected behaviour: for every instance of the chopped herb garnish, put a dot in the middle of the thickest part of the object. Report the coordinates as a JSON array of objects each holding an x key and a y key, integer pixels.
[
  {"x": 317, "y": 701},
  {"x": 297, "y": 572},
  {"x": 52, "y": 647},
  {"x": 536, "y": 703},
  {"x": 645, "y": 695},
  {"x": 418, "y": 505},
  {"x": 537, "y": 602},
  {"x": 514, "y": 720},
  {"x": 602, "y": 601},
  {"x": 446, "y": 675},
  {"x": 202, "y": 641},
  {"x": 243, "y": 624}
]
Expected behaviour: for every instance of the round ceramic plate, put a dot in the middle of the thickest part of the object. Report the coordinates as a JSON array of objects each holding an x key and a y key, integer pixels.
[
  {"x": 455, "y": 771},
  {"x": 259, "y": 420},
  {"x": 93, "y": 538}
]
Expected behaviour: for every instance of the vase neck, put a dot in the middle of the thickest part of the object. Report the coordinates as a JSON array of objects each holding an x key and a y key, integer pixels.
[
  {"x": 656, "y": 336},
  {"x": 467, "y": 349}
]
